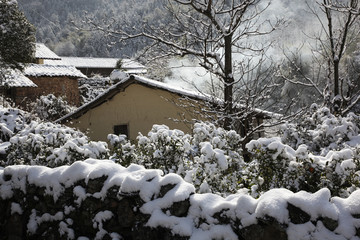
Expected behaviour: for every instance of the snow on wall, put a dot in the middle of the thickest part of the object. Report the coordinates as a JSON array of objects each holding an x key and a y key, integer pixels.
[{"x": 113, "y": 201}]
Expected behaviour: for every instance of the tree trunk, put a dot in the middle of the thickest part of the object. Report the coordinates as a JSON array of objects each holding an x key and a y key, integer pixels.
[
  {"x": 337, "y": 101},
  {"x": 228, "y": 82},
  {"x": 336, "y": 77}
]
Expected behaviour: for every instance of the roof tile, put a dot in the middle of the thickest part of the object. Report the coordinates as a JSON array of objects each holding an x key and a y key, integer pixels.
[
  {"x": 43, "y": 52},
  {"x": 40, "y": 70},
  {"x": 15, "y": 78}
]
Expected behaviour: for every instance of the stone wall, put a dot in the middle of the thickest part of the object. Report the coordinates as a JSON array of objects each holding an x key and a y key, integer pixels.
[{"x": 102, "y": 200}]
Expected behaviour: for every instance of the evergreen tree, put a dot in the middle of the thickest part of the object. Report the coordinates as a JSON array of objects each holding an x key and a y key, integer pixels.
[{"x": 17, "y": 36}]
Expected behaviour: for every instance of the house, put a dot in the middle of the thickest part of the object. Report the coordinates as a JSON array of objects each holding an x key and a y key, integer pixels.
[
  {"x": 13, "y": 83},
  {"x": 134, "y": 105},
  {"x": 99, "y": 66},
  {"x": 57, "y": 80},
  {"x": 41, "y": 79},
  {"x": 131, "y": 106}
]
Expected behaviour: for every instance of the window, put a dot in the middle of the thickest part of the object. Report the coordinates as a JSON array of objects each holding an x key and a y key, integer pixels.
[{"x": 121, "y": 129}]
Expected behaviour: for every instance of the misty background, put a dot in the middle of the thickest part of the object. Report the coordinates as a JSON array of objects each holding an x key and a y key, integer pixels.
[{"x": 53, "y": 20}]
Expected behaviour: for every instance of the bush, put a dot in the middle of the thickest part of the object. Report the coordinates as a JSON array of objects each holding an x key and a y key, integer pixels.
[
  {"x": 52, "y": 145},
  {"x": 279, "y": 166},
  {"x": 321, "y": 131},
  {"x": 92, "y": 87},
  {"x": 50, "y": 107},
  {"x": 321, "y": 151},
  {"x": 11, "y": 122},
  {"x": 210, "y": 158},
  {"x": 25, "y": 140}
]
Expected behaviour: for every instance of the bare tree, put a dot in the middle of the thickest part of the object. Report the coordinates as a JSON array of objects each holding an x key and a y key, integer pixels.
[
  {"x": 342, "y": 29},
  {"x": 339, "y": 30},
  {"x": 217, "y": 32}
]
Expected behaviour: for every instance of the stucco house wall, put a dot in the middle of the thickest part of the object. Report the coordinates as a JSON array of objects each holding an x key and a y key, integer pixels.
[{"x": 139, "y": 107}]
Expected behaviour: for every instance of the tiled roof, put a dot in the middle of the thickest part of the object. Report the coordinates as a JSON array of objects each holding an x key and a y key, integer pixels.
[
  {"x": 40, "y": 70},
  {"x": 43, "y": 52},
  {"x": 87, "y": 62},
  {"x": 15, "y": 78}
]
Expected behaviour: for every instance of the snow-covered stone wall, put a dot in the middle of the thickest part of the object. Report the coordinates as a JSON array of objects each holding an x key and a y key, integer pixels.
[{"x": 98, "y": 199}]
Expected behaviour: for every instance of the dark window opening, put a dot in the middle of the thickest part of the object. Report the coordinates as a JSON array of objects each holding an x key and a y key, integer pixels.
[{"x": 121, "y": 130}]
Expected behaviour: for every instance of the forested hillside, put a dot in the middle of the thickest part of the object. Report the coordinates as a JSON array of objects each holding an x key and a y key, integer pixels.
[{"x": 53, "y": 20}]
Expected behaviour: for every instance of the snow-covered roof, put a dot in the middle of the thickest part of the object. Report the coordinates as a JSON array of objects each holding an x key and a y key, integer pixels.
[
  {"x": 15, "y": 78},
  {"x": 89, "y": 62},
  {"x": 168, "y": 87},
  {"x": 40, "y": 70},
  {"x": 43, "y": 52}
]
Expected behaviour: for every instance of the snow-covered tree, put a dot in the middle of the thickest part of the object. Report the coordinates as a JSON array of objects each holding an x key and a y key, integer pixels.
[
  {"x": 214, "y": 32},
  {"x": 220, "y": 36},
  {"x": 92, "y": 87},
  {"x": 17, "y": 36},
  {"x": 342, "y": 27},
  {"x": 334, "y": 77}
]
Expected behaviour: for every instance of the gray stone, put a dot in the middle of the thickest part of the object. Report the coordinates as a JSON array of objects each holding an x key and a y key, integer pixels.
[
  {"x": 266, "y": 229},
  {"x": 180, "y": 209},
  {"x": 329, "y": 223},
  {"x": 95, "y": 185},
  {"x": 166, "y": 188},
  {"x": 297, "y": 215}
]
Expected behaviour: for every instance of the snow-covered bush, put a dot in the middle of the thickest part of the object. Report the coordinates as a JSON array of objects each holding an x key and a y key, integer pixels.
[
  {"x": 11, "y": 122},
  {"x": 321, "y": 131},
  {"x": 50, "y": 107},
  {"x": 52, "y": 145},
  {"x": 92, "y": 87},
  {"x": 217, "y": 163},
  {"x": 27, "y": 140},
  {"x": 164, "y": 149},
  {"x": 210, "y": 158},
  {"x": 122, "y": 150},
  {"x": 276, "y": 165}
]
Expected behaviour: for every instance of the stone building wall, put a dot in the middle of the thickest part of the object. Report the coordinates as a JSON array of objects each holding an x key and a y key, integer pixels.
[{"x": 59, "y": 86}]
